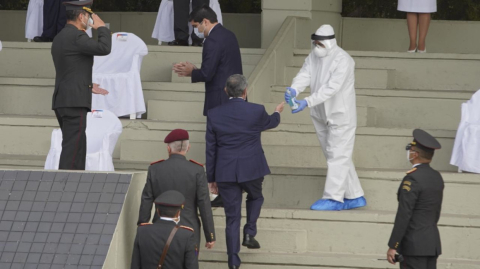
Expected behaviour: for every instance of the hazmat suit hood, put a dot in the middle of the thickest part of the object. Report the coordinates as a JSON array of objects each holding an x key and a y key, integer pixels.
[{"x": 326, "y": 35}]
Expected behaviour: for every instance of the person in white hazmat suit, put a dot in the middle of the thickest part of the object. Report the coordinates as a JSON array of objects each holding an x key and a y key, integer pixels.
[{"x": 330, "y": 73}]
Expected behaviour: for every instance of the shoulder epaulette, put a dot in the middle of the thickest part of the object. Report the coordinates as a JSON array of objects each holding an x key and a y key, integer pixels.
[
  {"x": 187, "y": 228},
  {"x": 195, "y": 162},
  {"x": 157, "y": 162},
  {"x": 411, "y": 171}
]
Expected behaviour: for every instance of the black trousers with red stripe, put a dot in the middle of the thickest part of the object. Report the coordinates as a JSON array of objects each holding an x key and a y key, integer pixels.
[
  {"x": 73, "y": 122},
  {"x": 419, "y": 262}
]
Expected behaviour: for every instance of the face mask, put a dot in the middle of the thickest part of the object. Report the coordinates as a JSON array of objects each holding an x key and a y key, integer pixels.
[
  {"x": 408, "y": 156},
  {"x": 87, "y": 25},
  {"x": 197, "y": 32},
  {"x": 320, "y": 52}
]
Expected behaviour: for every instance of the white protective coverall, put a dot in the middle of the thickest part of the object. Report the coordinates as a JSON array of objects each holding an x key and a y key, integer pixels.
[{"x": 333, "y": 110}]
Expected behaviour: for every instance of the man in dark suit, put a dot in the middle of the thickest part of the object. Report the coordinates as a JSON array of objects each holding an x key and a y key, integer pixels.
[
  {"x": 165, "y": 243},
  {"x": 54, "y": 19},
  {"x": 236, "y": 162},
  {"x": 186, "y": 177},
  {"x": 73, "y": 51},
  {"x": 415, "y": 233},
  {"x": 220, "y": 57},
  {"x": 181, "y": 10}
]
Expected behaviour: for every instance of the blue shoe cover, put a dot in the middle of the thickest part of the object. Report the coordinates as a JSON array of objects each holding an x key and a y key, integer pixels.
[
  {"x": 327, "y": 205},
  {"x": 354, "y": 203}
]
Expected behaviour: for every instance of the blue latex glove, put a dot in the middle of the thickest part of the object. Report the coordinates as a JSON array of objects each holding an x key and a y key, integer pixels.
[
  {"x": 288, "y": 96},
  {"x": 302, "y": 104}
]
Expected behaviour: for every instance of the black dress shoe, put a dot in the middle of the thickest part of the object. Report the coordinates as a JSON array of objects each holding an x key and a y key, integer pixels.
[
  {"x": 178, "y": 43},
  {"x": 197, "y": 42},
  {"x": 217, "y": 202},
  {"x": 42, "y": 39},
  {"x": 233, "y": 266},
  {"x": 250, "y": 242}
]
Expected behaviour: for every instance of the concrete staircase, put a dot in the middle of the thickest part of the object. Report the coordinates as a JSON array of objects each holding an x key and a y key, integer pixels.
[{"x": 395, "y": 94}]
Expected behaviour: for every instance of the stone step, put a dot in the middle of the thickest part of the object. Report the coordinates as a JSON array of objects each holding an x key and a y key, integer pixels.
[
  {"x": 247, "y": 71},
  {"x": 414, "y": 71},
  {"x": 364, "y": 78},
  {"x": 294, "y": 146},
  {"x": 22, "y": 59},
  {"x": 377, "y": 148},
  {"x": 401, "y": 108},
  {"x": 356, "y": 232},
  {"x": 193, "y": 112},
  {"x": 263, "y": 259}
]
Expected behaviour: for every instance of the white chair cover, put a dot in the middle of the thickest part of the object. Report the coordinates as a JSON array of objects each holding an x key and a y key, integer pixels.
[
  {"x": 34, "y": 23},
  {"x": 466, "y": 150},
  {"x": 102, "y": 136},
  {"x": 119, "y": 73},
  {"x": 163, "y": 30}
]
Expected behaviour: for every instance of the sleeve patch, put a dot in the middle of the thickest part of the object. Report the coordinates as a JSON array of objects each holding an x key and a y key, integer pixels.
[
  {"x": 407, "y": 183},
  {"x": 195, "y": 162},
  {"x": 407, "y": 188},
  {"x": 157, "y": 162},
  {"x": 187, "y": 228}
]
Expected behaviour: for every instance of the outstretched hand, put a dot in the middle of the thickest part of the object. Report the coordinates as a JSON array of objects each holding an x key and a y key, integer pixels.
[
  {"x": 302, "y": 104},
  {"x": 97, "y": 90}
]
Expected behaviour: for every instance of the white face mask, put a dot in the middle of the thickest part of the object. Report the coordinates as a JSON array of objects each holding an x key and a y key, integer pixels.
[
  {"x": 320, "y": 52},
  {"x": 87, "y": 25},
  {"x": 408, "y": 155},
  {"x": 197, "y": 32}
]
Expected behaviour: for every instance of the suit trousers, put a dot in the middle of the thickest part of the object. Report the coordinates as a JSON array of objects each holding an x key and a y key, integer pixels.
[
  {"x": 181, "y": 12},
  {"x": 54, "y": 17},
  {"x": 231, "y": 193},
  {"x": 419, "y": 262},
  {"x": 73, "y": 122}
]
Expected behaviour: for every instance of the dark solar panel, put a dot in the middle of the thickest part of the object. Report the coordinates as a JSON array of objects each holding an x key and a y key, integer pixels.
[{"x": 58, "y": 219}]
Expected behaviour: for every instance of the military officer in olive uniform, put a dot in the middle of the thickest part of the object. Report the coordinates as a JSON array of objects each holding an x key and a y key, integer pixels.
[
  {"x": 187, "y": 177},
  {"x": 415, "y": 233},
  {"x": 165, "y": 242},
  {"x": 73, "y": 51}
]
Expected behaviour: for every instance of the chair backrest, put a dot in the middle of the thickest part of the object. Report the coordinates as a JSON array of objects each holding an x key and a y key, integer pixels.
[
  {"x": 472, "y": 110},
  {"x": 98, "y": 129},
  {"x": 124, "y": 56}
]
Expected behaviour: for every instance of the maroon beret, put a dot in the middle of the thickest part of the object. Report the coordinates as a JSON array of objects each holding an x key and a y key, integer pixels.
[{"x": 176, "y": 135}]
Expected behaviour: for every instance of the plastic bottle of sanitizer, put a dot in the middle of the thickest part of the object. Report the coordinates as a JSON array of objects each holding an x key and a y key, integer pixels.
[{"x": 293, "y": 104}]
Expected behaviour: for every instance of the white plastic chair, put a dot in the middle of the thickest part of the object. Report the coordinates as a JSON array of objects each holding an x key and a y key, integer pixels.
[
  {"x": 119, "y": 73},
  {"x": 102, "y": 136},
  {"x": 34, "y": 22},
  {"x": 466, "y": 150},
  {"x": 163, "y": 30}
]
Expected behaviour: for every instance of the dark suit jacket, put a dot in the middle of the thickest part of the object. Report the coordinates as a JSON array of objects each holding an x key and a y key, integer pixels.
[
  {"x": 415, "y": 232},
  {"x": 220, "y": 59},
  {"x": 188, "y": 178},
  {"x": 150, "y": 241},
  {"x": 72, "y": 52},
  {"x": 234, "y": 147}
]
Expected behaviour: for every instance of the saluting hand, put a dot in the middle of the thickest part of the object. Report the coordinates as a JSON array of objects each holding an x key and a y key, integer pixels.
[{"x": 97, "y": 22}]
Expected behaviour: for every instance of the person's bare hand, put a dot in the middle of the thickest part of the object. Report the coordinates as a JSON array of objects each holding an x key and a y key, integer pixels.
[
  {"x": 209, "y": 245},
  {"x": 97, "y": 90},
  {"x": 184, "y": 69},
  {"x": 280, "y": 107},
  {"x": 391, "y": 255},
  {"x": 213, "y": 187},
  {"x": 145, "y": 223},
  {"x": 97, "y": 22}
]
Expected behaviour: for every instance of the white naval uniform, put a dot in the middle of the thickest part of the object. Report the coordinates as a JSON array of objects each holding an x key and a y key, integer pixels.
[
  {"x": 332, "y": 106},
  {"x": 417, "y": 6}
]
